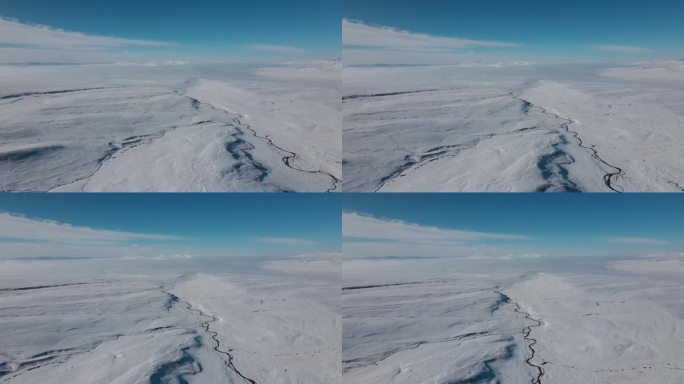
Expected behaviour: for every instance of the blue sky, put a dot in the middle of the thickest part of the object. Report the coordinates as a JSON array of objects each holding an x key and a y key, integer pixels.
[
  {"x": 202, "y": 30},
  {"x": 578, "y": 30},
  {"x": 203, "y": 224},
  {"x": 554, "y": 224}
]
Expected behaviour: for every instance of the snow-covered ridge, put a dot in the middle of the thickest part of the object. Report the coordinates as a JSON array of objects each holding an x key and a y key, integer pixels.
[
  {"x": 145, "y": 321},
  {"x": 534, "y": 322},
  {"x": 524, "y": 129},
  {"x": 597, "y": 329},
  {"x": 87, "y": 128}
]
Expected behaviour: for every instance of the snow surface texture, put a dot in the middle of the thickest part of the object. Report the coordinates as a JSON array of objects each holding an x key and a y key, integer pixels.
[
  {"x": 517, "y": 129},
  {"x": 664, "y": 70},
  {"x": 170, "y": 128},
  {"x": 59, "y": 324},
  {"x": 454, "y": 321}
]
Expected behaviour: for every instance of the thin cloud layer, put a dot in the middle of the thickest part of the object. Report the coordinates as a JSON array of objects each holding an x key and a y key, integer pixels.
[
  {"x": 25, "y": 238},
  {"x": 621, "y": 48},
  {"x": 636, "y": 240},
  {"x": 358, "y": 34},
  {"x": 365, "y": 44},
  {"x": 275, "y": 48},
  {"x": 32, "y": 43},
  {"x": 23, "y": 228},
  {"x": 285, "y": 241},
  {"x": 367, "y": 236},
  {"x": 28, "y": 238},
  {"x": 16, "y": 33},
  {"x": 355, "y": 225},
  {"x": 18, "y": 55}
]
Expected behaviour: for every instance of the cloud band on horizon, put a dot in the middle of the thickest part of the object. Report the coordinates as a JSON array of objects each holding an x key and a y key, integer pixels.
[
  {"x": 370, "y": 44},
  {"x": 368, "y": 236}
]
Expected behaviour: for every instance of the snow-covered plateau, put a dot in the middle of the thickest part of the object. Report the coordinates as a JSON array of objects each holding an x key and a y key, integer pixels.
[
  {"x": 170, "y": 321},
  {"x": 170, "y": 127},
  {"x": 512, "y": 321},
  {"x": 572, "y": 127}
]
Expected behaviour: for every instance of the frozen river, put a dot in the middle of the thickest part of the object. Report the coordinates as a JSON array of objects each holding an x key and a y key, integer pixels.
[
  {"x": 170, "y": 127},
  {"x": 514, "y": 129}
]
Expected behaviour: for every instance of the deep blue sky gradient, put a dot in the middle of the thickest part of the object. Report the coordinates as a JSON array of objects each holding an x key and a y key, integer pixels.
[
  {"x": 568, "y": 220},
  {"x": 202, "y": 28},
  {"x": 234, "y": 220},
  {"x": 556, "y": 29}
]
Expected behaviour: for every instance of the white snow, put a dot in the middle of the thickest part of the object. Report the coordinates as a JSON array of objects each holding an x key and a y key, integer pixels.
[
  {"x": 322, "y": 69},
  {"x": 423, "y": 321},
  {"x": 637, "y": 128},
  {"x": 654, "y": 70},
  {"x": 165, "y": 127},
  {"x": 599, "y": 329},
  {"x": 458, "y": 320},
  {"x": 511, "y": 129},
  {"x": 171, "y": 321},
  {"x": 320, "y": 263},
  {"x": 280, "y": 331}
]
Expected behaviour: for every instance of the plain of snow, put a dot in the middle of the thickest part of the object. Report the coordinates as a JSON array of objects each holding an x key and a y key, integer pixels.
[
  {"x": 514, "y": 129},
  {"x": 663, "y": 70},
  {"x": 181, "y": 127},
  {"x": 511, "y": 321},
  {"x": 168, "y": 321}
]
